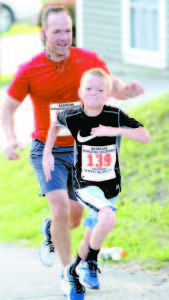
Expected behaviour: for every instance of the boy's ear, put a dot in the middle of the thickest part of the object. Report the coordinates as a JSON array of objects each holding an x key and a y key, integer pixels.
[
  {"x": 107, "y": 98},
  {"x": 43, "y": 35}
]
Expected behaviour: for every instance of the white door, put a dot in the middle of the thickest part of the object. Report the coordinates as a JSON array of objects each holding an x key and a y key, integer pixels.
[{"x": 144, "y": 32}]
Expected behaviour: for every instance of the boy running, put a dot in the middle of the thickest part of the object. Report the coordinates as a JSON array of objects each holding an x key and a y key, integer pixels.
[{"x": 95, "y": 128}]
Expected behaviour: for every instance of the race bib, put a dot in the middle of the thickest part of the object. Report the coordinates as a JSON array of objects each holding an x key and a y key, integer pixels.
[
  {"x": 56, "y": 108},
  {"x": 98, "y": 163}
]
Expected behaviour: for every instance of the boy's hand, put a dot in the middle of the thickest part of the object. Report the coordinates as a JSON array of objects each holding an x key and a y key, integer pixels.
[
  {"x": 48, "y": 165},
  {"x": 105, "y": 131}
]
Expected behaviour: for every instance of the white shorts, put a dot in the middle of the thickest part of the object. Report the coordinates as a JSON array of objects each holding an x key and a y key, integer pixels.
[{"x": 92, "y": 198}]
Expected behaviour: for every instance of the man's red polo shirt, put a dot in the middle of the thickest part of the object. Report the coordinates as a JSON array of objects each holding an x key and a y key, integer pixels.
[{"x": 49, "y": 82}]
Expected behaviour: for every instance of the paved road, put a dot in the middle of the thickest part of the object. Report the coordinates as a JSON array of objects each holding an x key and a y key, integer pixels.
[{"x": 22, "y": 276}]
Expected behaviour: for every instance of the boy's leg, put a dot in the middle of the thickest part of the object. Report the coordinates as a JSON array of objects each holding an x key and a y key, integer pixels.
[
  {"x": 106, "y": 222},
  {"x": 84, "y": 245},
  {"x": 100, "y": 226},
  {"x": 89, "y": 274},
  {"x": 83, "y": 250}
]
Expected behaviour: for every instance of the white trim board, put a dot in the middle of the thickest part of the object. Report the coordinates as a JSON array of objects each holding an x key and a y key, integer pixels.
[
  {"x": 79, "y": 23},
  {"x": 144, "y": 57}
]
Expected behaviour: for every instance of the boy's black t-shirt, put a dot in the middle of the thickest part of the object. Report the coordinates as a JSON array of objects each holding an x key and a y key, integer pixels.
[{"x": 96, "y": 157}]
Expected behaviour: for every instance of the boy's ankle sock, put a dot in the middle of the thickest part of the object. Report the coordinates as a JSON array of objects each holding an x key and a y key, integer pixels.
[
  {"x": 92, "y": 254},
  {"x": 74, "y": 265}
]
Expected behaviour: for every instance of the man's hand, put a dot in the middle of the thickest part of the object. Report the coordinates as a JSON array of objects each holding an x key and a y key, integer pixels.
[
  {"x": 48, "y": 165},
  {"x": 105, "y": 131},
  {"x": 122, "y": 91},
  {"x": 10, "y": 151},
  {"x": 134, "y": 89}
]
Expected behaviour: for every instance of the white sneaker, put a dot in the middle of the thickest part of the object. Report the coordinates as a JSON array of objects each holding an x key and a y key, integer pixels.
[
  {"x": 47, "y": 250},
  {"x": 74, "y": 289},
  {"x": 64, "y": 286}
]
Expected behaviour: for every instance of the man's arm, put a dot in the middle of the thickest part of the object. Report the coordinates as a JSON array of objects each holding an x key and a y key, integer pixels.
[
  {"x": 8, "y": 109},
  {"x": 124, "y": 91}
]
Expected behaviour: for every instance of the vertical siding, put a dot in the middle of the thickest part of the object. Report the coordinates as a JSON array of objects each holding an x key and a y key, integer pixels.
[
  {"x": 167, "y": 32},
  {"x": 102, "y": 28}
]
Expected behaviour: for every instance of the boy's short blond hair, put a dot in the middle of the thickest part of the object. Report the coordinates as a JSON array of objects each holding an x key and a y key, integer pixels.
[{"x": 99, "y": 73}]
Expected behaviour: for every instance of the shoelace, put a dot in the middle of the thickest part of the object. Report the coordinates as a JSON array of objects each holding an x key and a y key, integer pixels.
[
  {"x": 79, "y": 289},
  {"x": 93, "y": 268},
  {"x": 51, "y": 246}
]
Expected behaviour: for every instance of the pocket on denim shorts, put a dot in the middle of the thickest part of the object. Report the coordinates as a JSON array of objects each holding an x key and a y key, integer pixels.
[{"x": 37, "y": 148}]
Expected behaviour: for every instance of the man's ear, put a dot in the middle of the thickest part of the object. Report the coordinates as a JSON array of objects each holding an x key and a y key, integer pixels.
[{"x": 43, "y": 35}]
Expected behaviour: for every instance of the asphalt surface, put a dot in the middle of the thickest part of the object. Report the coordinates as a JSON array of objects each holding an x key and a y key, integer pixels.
[{"x": 22, "y": 276}]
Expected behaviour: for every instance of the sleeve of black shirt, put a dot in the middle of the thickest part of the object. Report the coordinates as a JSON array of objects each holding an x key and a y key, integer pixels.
[
  {"x": 126, "y": 121},
  {"x": 61, "y": 119}
]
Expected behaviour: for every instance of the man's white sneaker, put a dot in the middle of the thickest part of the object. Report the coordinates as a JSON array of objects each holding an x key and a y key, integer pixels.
[
  {"x": 47, "y": 250},
  {"x": 74, "y": 289}
]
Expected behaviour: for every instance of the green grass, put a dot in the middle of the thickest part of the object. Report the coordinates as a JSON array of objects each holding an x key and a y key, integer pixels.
[
  {"x": 21, "y": 28},
  {"x": 142, "y": 218},
  {"x": 5, "y": 80}
]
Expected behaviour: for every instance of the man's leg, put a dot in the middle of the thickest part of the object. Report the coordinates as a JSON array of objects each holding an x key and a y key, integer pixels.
[
  {"x": 76, "y": 213},
  {"x": 60, "y": 226},
  {"x": 57, "y": 230},
  {"x": 60, "y": 234},
  {"x": 47, "y": 250}
]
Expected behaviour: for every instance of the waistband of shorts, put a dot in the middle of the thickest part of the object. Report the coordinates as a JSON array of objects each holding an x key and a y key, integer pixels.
[{"x": 59, "y": 149}]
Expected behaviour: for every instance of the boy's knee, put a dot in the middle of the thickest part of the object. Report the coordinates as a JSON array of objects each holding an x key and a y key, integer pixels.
[{"x": 107, "y": 217}]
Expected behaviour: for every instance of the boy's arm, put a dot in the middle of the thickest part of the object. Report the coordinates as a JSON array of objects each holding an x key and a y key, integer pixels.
[
  {"x": 136, "y": 130},
  {"x": 51, "y": 138},
  {"x": 48, "y": 159},
  {"x": 139, "y": 134},
  {"x": 54, "y": 130}
]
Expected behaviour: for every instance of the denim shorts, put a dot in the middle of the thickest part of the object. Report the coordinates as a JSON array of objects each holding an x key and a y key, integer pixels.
[
  {"x": 92, "y": 198},
  {"x": 63, "y": 174}
]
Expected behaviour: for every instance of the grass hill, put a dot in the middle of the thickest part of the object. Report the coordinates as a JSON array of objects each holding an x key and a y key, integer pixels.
[{"x": 143, "y": 206}]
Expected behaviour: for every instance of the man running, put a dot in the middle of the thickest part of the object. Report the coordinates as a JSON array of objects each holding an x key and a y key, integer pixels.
[{"x": 53, "y": 77}]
